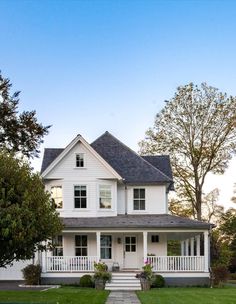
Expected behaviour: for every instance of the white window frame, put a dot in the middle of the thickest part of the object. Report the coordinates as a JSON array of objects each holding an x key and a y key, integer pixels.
[
  {"x": 57, "y": 186},
  {"x": 77, "y": 154},
  {"x": 140, "y": 199},
  {"x": 99, "y": 197},
  {"x": 79, "y": 208},
  {"x": 105, "y": 247},
  {"x": 81, "y": 246},
  {"x": 57, "y": 246}
]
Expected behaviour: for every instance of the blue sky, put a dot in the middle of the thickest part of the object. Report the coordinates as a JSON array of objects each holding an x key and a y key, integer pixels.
[{"x": 91, "y": 66}]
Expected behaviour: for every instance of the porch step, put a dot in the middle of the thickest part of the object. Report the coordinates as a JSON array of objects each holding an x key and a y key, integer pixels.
[{"x": 123, "y": 281}]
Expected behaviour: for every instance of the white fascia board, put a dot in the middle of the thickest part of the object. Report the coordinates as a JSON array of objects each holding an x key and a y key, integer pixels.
[{"x": 69, "y": 147}]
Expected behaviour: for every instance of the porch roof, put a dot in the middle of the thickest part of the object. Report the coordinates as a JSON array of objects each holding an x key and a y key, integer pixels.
[{"x": 135, "y": 221}]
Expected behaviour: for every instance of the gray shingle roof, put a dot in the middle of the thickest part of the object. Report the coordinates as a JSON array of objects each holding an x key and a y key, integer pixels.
[
  {"x": 49, "y": 155},
  {"x": 135, "y": 221},
  {"x": 132, "y": 167}
]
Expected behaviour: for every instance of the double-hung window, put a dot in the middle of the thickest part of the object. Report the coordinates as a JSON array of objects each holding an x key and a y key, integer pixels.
[
  {"x": 81, "y": 245},
  {"x": 80, "y": 196},
  {"x": 105, "y": 197},
  {"x": 57, "y": 243},
  {"x": 106, "y": 246},
  {"x": 56, "y": 195},
  {"x": 139, "y": 199},
  {"x": 80, "y": 160}
]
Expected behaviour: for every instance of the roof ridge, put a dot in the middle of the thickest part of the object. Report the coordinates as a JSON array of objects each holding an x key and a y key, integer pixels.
[{"x": 124, "y": 145}]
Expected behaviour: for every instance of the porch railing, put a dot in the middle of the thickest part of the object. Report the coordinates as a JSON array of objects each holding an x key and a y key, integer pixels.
[
  {"x": 176, "y": 263},
  {"x": 70, "y": 263}
]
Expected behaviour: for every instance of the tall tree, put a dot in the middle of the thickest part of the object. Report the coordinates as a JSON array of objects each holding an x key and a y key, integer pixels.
[
  {"x": 197, "y": 127},
  {"x": 18, "y": 132},
  {"x": 27, "y": 215}
]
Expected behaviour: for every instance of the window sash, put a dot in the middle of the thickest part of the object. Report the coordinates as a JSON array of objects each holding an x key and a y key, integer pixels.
[
  {"x": 81, "y": 245},
  {"x": 139, "y": 199},
  {"x": 58, "y": 246},
  {"x": 105, "y": 197},
  {"x": 106, "y": 246},
  {"x": 80, "y": 196},
  {"x": 79, "y": 160},
  {"x": 56, "y": 195}
]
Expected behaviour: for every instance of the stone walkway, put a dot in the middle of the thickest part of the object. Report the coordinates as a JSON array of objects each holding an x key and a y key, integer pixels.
[{"x": 122, "y": 297}]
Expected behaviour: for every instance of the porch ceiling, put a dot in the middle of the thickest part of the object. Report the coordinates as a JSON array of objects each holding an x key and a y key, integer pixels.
[{"x": 160, "y": 221}]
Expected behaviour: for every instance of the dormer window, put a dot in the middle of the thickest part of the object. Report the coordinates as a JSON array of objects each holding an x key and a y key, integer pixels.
[
  {"x": 139, "y": 199},
  {"x": 80, "y": 160}
]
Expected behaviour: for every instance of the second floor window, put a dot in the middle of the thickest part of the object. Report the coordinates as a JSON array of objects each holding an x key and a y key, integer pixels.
[
  {"x": 80, "y": 160},
  {"x": 56, "y": 194},
  {"x": 105, "y": 196},
  {"x": 57, "y": 243},
  {"x": 139, "y": 199},
  {"x": 80, "y": 196}
]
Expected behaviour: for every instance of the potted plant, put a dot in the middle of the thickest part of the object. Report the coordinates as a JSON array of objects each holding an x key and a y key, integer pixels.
[
  {"x": 146, "y": 276},
  {"x": 101, "y": 275}
]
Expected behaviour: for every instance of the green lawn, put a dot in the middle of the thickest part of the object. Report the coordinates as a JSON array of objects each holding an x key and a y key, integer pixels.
[
  {"x": 64, "y": 295},
  {"x": 225, "y": 295}
]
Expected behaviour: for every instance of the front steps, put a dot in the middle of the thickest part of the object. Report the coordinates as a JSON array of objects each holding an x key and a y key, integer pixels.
[{"x": 123, "y": 281}]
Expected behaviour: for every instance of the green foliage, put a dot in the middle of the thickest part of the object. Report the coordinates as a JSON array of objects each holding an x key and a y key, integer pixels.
[
  {"x": 197, "y": 129},
  {"x": 32, "y": 274},
  {"x": 173, "y": 248},
  {"x": 220, "y": 250},
  {"x": 101, "y": 272},
  {"x": 158, "y": 281},
  {"x": 27, "y": 216},
  {"x": 147, "y": 272},
  {"x": 220, "y": 274},
  {"x": 18, "y": 132},
  {"x": 86, "y": 281}
]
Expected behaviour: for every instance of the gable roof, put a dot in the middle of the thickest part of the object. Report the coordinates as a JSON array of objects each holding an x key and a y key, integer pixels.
[
  {"x": 132, "y": 167},
  {"x": 60, "y": 155}
]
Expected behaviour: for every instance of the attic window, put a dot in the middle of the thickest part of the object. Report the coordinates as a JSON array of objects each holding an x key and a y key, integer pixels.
[{"x": 80, "y": 160}]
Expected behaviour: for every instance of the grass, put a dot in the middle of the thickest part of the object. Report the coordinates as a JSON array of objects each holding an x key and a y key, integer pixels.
[
  {"x": 64, "y": 295},
  {"x": 225, "y": 295}
]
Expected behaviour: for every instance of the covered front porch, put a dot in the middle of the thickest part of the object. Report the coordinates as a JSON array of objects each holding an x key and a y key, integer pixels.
[{"x": 128, "y": 250}]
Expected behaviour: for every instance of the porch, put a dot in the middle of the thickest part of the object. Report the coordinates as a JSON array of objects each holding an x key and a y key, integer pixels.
[{"x": 130, "y": 250}]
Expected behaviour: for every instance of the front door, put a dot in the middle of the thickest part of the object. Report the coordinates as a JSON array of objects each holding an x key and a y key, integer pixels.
[{"x": 130, "y": 251}]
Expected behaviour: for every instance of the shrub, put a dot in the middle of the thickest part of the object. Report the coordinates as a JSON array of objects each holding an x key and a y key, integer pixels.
[
  {"x": 158, "y": 281},
  {"x": 86, "y": 281},
  {"x": 31, "y": 274},
  {"x": 232, "y": 276},
  {"x": 220, "y": 274}
]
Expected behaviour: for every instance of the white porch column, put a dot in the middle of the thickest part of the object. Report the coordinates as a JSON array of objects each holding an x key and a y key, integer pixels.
[
  {"x": 187, "y": 247},
  {"x": 192, "y": 246},
  {"x": 98, "y": 239},
  {"x": 182, "y": 248},
  {"x": 198, "y": 244},
  {"x": 206, "y": 251},
  {"x": 144, "y": 244}
]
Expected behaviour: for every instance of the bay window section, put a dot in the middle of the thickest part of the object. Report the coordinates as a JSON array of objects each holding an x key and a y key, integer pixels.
[
  {"x": 80, "y": 196},
  {"x": 105, "y": 197},
  {"x": 106, "y": 246}
]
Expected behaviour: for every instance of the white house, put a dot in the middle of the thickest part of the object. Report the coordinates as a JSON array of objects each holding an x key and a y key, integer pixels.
[{"x": 114, "y": 207}]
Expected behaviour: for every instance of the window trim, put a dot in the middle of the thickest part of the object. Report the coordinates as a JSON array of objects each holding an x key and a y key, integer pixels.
[
  {"x": 140, "y": 199},
  {"x": 80, "y": 185},
  {"x": 81, "y": 247},
  {"x": 58, "y": 247},
  {"x": 111, "y": 189},
  {"x": 84, "y": 162},
  {"x": 109, "y": 235},
  {"x": 53, "y": 186}
]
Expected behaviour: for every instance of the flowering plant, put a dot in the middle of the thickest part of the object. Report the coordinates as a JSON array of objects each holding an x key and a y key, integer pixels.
[{"x": 147, "y": 272}]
